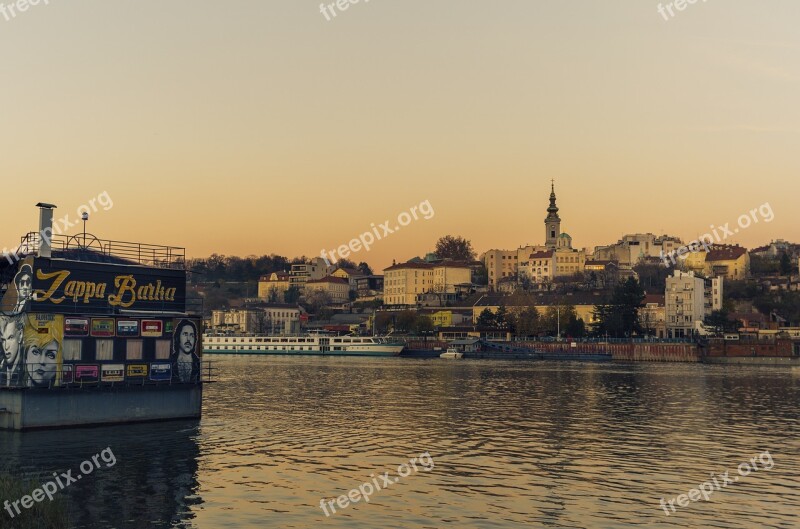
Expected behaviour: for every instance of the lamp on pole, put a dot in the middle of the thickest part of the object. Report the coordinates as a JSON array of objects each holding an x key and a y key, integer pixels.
[
  {"x": 558, "y": 323},
  {"x": 84, "y": 218}
]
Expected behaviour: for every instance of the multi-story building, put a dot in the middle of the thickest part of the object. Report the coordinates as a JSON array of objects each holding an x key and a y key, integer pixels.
[
  {"x": 272, "y": 287},
  {"x": 350, "y": 274},
  {"x": 270, "y": 318},
  {"x": 317, "y": 268},
  {"x": 404, "y": 282},
  {"x": 721, "y": 260},
  {"x": 369, "y": 286},
  {"x": 539, "y": 268},
  {"x": 236, "y": 320},
  {"x": 688, "y": 300},
  {"x": 336, "y": 288},
  {"x": 685, "y": 303},
  {"x": 653, "y": 316},
  {"x": 632, "y": 248}
]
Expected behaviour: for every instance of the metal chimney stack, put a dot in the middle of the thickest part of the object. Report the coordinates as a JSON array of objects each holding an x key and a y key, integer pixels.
[{"x": 45, "y": 229}]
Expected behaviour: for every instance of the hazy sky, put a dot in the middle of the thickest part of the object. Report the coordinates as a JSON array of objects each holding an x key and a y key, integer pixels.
[{"x": 250, "y": 127}]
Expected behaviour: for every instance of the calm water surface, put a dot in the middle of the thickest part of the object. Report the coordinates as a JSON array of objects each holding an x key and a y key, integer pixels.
[{"x": 514, "y": 445}]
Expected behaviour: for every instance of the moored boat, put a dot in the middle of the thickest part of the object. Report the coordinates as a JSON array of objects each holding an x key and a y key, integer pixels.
[
  {"x": 452, "y": 353},
  {"x": 309, "y": 344}
]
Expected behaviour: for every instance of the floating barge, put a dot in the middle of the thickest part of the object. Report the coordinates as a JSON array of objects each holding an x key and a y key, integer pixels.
[{"x": 96, "y": 332}]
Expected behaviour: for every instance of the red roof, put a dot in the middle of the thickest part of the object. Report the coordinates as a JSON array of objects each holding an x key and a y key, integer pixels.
[
  {"x": 547, "y": 254},
  {"x": 725, "y": 253}
]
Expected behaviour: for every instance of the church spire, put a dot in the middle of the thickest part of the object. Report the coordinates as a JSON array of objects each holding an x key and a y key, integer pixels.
[{"x": 552, "y": 223}]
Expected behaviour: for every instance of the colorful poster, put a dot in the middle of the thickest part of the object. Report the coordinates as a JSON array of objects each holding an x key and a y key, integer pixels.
[
  {"x": 152, "y": 328},
  {"x": 87, "y": 373},
  {"x": 127, "y": 328},
  {"x": 185, "y": 358},
  {"x": 113, "y": 373},
  {"x": 76, "y": 327},
  {"x": 137, "y": 370},
  {"x": 160, "y": 371},
  {"x": 103, "y": 327},
  {"x": 43, "y": 336}
]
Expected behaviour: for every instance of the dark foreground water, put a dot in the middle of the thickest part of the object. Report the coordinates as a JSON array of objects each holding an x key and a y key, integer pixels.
[{"x": 510, "y": 444}]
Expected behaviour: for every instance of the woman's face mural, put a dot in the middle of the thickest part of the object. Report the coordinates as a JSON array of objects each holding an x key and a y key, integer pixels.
[{"x": 43, "y": 363}]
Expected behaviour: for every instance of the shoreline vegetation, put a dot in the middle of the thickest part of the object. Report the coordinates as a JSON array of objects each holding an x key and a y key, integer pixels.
[{"x": 43, "y": 515}]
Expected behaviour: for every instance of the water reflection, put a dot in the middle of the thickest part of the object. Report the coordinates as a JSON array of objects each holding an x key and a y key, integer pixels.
[
  {"x": 153, "y": 483},
  {"x": 515, "y": 444}
]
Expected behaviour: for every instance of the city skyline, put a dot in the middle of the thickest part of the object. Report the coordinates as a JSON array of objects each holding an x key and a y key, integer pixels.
[{"x": 295, "y": 133}]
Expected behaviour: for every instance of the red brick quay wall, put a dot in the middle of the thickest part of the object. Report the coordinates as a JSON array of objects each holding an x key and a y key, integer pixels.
[{"x": 628, "y": 352}]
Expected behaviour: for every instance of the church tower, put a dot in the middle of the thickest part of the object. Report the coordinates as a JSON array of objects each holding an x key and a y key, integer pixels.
[{"x": 552, "y": 224}]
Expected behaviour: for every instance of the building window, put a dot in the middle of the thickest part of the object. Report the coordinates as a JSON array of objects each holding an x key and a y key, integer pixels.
[
  {"x": 72, "y": 350},
  {"x": 104, "y": 349},
  {"x": 163, "y": 348},
  {"x": 134, "y": 351}
]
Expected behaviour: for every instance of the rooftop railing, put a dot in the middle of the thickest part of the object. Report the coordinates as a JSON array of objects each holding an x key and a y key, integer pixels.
[{"x": 87, "y": 247}]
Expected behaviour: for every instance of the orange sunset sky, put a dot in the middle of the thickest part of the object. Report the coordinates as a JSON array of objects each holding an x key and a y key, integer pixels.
[{"x": 251, "y": 127}]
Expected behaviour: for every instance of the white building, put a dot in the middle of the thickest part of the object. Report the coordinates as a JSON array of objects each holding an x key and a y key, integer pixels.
[
  {"x": 688, "y": 300},
  {"x": 268, "y": 319},
  {"x": 312, "y": 271}
]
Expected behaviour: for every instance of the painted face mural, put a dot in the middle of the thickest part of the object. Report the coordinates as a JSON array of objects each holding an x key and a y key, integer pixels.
[
  {"x": 186, "y": 363},
  {"x": 11, "y": 339},
  {"x": 42, "y": 346},
  {"x": 23, "y": 282},
  {"x": 43, "y": 364},
  {"x": 187, "y": 338}
]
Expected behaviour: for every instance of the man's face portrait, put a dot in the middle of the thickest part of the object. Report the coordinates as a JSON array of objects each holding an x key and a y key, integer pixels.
[{"x": 187, "y": 338}]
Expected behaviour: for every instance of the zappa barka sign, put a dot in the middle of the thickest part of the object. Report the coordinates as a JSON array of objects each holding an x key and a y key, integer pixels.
[{"x": 65, "y": 286}]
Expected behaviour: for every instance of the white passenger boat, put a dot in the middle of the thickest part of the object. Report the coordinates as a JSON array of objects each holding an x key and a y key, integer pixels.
[{"x": 310, "y": 344}]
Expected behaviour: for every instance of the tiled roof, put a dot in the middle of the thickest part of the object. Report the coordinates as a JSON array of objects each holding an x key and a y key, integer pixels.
[{"x": 725, "y": 253}]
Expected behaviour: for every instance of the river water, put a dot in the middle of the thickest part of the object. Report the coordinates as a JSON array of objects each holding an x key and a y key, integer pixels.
[{"x": 497, "y": 445}]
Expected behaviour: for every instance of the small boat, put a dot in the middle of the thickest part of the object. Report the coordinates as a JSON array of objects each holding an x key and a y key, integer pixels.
[{"x": 452, "y": 353}]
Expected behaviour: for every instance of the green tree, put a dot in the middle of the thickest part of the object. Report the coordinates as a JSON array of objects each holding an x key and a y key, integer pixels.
[
  {"x": 576, "y": 328},
  {"x": 364, "y": 268},
  {"x": 526, "y": 321},
  {"x": 486, "y": 318},
  {"x": 423, "y": 324},
  {"x": 456, "y": 248},
  {"x": 719, "y": 322},
  {"x": 291, "y": 295},
  {"x": 481, "y": 276},
  {"x": 404, "y": 321},
  {"x": 786, "y": 264},
  {"x": 620, "y": 316}
]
